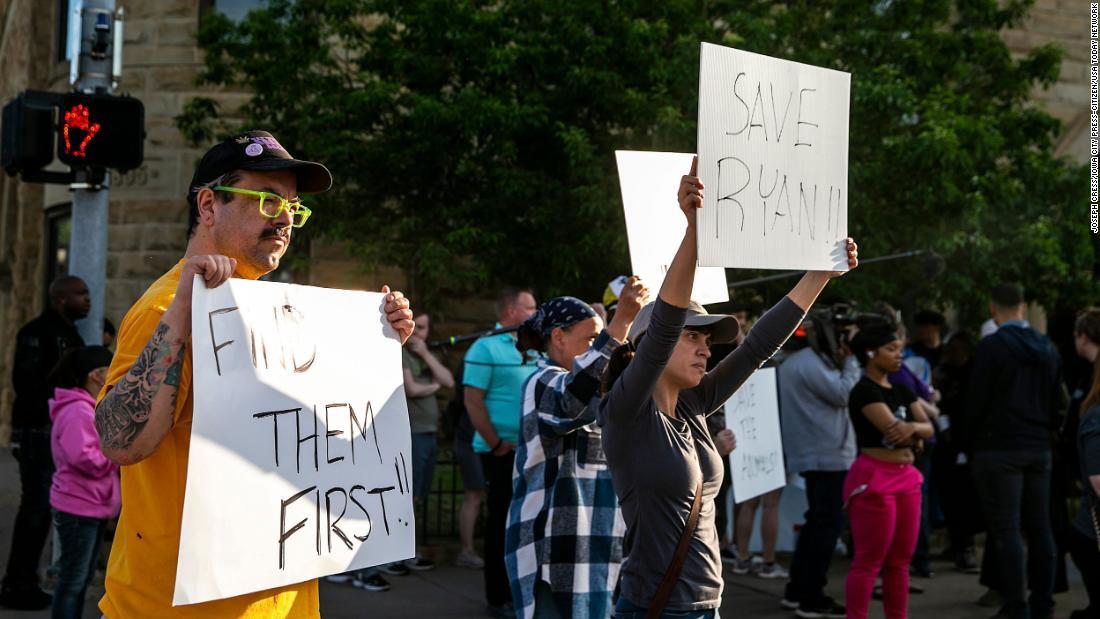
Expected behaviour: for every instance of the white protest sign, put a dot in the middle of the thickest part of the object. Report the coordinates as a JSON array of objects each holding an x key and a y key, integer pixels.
[
  {"x": 299, "y": 463},
  {"x": 773, "y": 157},
  {"x": 753, "y": 415},
  {"x": 654, "y": 223}
]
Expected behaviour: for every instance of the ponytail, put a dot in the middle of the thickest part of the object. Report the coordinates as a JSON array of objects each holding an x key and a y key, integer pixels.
[
  {"x": 65, "y": 374},
  {"x": 620, "y": 358},
  {"x": 527, "y": 338}
]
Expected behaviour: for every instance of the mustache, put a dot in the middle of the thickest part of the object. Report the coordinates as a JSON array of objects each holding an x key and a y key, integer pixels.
[{"x": 279, "y": 233}]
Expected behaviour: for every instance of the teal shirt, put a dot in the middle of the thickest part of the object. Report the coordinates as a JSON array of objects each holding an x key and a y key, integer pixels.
[{"x": 494, "y": 365}]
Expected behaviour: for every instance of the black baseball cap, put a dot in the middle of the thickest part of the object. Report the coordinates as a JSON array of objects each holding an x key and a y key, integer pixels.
[{"x": 261, "y": 152}]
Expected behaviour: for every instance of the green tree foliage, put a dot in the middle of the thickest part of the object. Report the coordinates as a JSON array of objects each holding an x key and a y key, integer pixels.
[{"x": 472, "y": 142}]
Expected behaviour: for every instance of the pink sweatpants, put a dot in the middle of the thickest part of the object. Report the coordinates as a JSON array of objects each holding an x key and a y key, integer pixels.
[{"x": 883, "y": 502}]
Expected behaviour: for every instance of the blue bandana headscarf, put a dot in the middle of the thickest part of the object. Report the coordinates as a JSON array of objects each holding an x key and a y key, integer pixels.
[{"x": 559, "y": 312}]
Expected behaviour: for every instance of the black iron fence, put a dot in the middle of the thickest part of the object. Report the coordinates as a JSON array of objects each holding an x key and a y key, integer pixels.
[{"x": 437, "y": 517}]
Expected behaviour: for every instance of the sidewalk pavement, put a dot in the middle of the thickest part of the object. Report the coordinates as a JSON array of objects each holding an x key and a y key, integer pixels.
[
  {"x": 455, "y": 592},
  {"x": 449, "y": 591}
]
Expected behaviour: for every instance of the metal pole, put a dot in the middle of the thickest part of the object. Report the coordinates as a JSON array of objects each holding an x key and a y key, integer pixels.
[
  {"x": 88, "y": 245},
  {"x": 88, "y": 256}
]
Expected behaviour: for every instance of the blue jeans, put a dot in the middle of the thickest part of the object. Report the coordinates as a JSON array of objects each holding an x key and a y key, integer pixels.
[
  {"x": 1014, "y": 487},
  {"x": 624, "y": 609},
  {"x": 80, "y": 538}
]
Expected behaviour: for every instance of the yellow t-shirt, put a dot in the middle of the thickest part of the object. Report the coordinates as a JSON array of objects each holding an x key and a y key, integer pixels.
[{"x": 141, "y": 573}]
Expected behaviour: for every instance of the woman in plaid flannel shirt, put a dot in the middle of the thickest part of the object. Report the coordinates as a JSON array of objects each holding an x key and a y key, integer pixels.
[{"x": 563, "y": 542}]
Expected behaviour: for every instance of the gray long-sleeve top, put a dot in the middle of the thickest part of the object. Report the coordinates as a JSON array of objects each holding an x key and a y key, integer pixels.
[
  {"x": 813, "y": 408},
  {"x": 656, "y": 460}
]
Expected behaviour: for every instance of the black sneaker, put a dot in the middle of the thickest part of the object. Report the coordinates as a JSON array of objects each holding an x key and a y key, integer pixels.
[
  {"x": 419, "y": 564},
  {"x": 990, "y": 599},
  {"x": 25, "y": 598},
  {"x": 374, "y": 582},
  {"x": 504, "y": 611},
  {"x": 921, "y": 572},
  {"x": 729, "y": 556},
  {"x": 825, "y": 609},
  {"x": 967, "y": 562},
  {"x": 395, "y": 569}
]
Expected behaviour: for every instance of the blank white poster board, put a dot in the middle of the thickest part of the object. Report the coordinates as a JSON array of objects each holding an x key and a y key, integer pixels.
[
  {"x": 773, "y": 158},
  {"x": 753, "y": 414},
  {"x": 299, "y": 463},
  {"x": 654, "y": 222}
]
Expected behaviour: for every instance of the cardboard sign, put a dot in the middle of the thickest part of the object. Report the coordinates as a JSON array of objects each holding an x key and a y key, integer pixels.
[
  {"x": 299, "y": 463},
  {"x": 654, "y": 223},
  {"x": 773, "y": 158},
  {"x": 752, "y": 413}
]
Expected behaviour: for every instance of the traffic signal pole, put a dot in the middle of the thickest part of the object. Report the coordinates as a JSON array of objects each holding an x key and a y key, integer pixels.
[{"x": 95, "y": 64}]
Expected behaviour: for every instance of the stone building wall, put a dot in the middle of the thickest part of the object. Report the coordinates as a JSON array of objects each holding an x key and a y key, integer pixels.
[
  {"x": 148, "y": 213},
  {"x": 1065, "y": 23},
  {"x": 26, "y": 39}
]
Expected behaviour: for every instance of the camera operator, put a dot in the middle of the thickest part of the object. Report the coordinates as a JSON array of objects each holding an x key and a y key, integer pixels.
[{"x": 820, "y": 445}]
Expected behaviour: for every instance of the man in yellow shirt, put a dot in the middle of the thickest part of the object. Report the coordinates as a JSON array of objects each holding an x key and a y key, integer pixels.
[{"x": 243, "y": 208}]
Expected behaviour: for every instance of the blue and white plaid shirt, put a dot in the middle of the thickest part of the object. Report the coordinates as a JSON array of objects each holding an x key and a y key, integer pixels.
[{"x": 564, "y": 524}]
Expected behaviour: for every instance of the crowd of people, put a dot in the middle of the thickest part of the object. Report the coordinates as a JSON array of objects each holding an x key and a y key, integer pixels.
[
  {"x": 891, "y": 434},
  {"x": 591, "y": 436}
]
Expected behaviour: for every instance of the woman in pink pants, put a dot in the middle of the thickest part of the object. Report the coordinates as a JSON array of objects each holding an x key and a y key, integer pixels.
[{"x": 883, "y": 488}]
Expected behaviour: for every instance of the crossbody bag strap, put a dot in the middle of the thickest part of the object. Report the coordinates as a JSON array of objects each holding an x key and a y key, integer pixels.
[{"x": 664, "y": 590}]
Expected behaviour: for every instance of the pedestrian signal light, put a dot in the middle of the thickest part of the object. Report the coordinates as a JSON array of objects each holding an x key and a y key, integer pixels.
[
  {"x": 101, "y": 131},
  {"x": 77, "y": 125},
  {"x": 27, "y": 129}
]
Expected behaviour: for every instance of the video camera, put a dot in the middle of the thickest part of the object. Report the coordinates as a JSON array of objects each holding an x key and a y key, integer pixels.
[{"x": 827, "y": 329}]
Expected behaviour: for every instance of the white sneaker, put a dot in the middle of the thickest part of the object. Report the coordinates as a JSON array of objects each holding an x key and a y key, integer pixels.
[
  {"x": 469, "y": 558},
  {"x": 374, "y": 582},
  {"x": 743, "y": 567},
  {"x": 772, "y": 571}
]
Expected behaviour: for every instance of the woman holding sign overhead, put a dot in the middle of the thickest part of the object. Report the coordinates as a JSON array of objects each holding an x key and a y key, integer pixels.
[{"x": 665, "y": 468}]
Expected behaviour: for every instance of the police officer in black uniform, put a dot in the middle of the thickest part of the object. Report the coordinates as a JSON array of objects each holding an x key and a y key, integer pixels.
[{"x": 39, "y": 346}]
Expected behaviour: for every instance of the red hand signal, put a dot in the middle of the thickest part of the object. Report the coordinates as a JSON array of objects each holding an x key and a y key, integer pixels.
[{"x": 76, "y": 119}]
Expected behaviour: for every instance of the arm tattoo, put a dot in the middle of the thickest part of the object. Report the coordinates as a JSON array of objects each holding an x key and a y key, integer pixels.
[{"x": 123, "y": 413}]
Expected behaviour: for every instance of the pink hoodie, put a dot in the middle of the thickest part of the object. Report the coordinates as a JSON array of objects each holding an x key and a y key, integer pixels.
[{"x": 86, "y": 482}]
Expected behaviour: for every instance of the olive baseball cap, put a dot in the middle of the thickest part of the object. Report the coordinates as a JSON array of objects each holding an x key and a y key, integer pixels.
[{"x": 723, "y": 327}]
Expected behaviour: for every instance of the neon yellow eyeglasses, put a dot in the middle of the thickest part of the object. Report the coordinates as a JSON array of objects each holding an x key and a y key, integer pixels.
[{"x": 271, "y": 204}]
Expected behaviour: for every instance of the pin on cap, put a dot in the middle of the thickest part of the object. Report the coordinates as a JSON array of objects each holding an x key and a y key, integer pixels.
[{"x": 259, "y": 151}]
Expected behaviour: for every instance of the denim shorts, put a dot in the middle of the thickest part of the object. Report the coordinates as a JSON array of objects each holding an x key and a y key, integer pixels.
[
  {"x": 473, "y": 478},
  {"x": 424, "y": 449}
]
